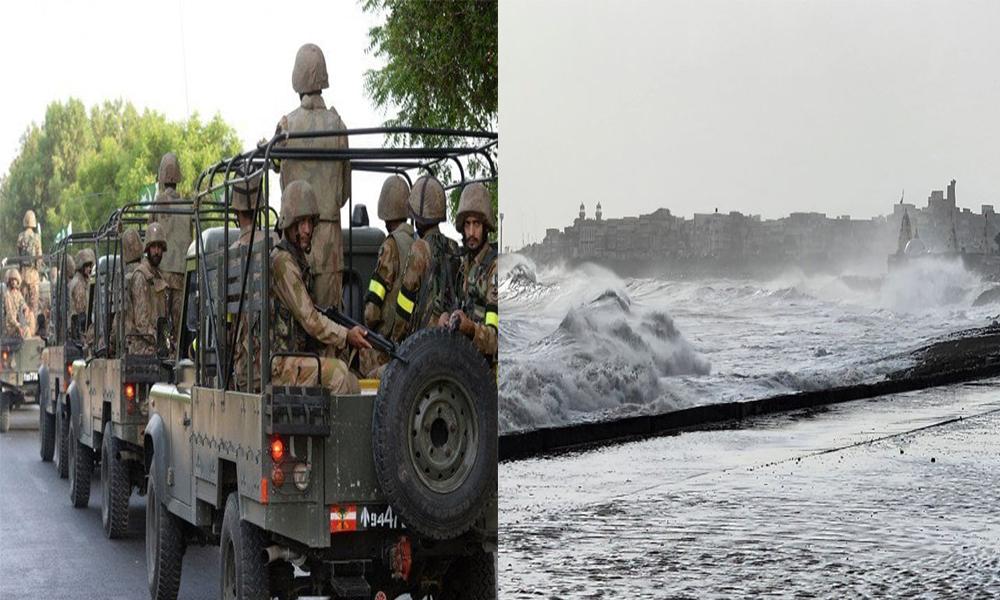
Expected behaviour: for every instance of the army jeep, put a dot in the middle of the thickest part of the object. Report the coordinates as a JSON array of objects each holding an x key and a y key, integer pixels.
[
  {"x": 19, "y": 360},
  {"x": 61, "y": 350},
  {"x": 309, "y": 493},
  {"x": 107, "y": 397}
]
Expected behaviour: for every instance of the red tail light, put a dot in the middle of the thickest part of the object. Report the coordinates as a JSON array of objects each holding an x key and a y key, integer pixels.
[
  {"x": 278, "y": 476},
  {"x": 401, "y": 558},
  {"x": 130, "y": 398},
  {"x": 5, "y": 355},
  {"x": 277, "y": 449}
]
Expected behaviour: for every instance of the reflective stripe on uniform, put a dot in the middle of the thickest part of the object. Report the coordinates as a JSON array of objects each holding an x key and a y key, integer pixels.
[
  {"x": 404, "y": 303},
  {"x": 493, "y": 320},
  {"x": 377, "y": 288}
]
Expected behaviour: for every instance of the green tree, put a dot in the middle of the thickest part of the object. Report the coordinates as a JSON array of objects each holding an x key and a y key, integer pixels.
[
  {"x": 77, "y": 167},
  {"x": 441, "y": 66}
]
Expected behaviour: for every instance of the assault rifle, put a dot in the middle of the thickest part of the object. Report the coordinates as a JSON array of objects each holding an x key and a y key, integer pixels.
[{"x": 377, "y": 340}]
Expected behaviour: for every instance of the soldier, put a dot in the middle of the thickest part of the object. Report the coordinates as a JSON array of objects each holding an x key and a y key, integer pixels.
[
  {"x": 295, "y": 321},
  {"x": 330, "y": 180},
  {"x": 428, "y": 287},
  {"x": 18, "y": 318},
  {"x": 243, "y": 200},
  {"x": 146, "y": 295},
  {"x": 29, "y": 248},
  {"x": 132, "y": 253},
  {"x": 79, "y": 288},
  {"x": 477, "y": 275},
  {"x": 380, "y": 303},
  {"x": 177, "y": 231}
]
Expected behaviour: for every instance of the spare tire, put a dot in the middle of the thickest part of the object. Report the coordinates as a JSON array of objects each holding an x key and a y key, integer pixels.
[{"x": 434, "y": 434}]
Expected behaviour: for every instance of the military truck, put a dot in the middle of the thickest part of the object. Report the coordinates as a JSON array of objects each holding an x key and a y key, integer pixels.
[
  {"x": 61, "y": 350},
  {"x": 309, "y": 493},
  {"x": 19, "y": 360},
  {"x": 107, "y": 396}
]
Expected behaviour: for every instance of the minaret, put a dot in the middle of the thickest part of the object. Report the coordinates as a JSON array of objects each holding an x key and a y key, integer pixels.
[
  {"x": 598, "y": 211},
  {"x": 583, "y": 211},
  {"x": 905, "y": 234}
]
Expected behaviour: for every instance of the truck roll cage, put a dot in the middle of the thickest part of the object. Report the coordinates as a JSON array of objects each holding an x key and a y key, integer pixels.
[{"x": 452, "y": 155}]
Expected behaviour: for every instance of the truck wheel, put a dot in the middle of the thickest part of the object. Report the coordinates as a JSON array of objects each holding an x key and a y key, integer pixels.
[
  {"x": 164, "y": 545},
  {"x": 472, "y": 578},
  {"x": 62, "y": 444},
  {"x": 434, "y": 434},
  {"x": 244, "y": 569},
  {"x": 46, "y": 434},
  {"x": 81, "y": 468},
  {"x": 115, "y": 487},
  {"x": 5, "y": 404}
]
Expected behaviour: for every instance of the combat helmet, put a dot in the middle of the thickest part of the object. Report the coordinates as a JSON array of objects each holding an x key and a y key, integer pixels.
[
  {"x": 155, "y": 235},
  {"x": 70, "y": 266},
  {"x": 29, "y": 219},
  {"x": 244, "y": 194},
  {"x": 475, "y": 199},
  {"x": 309, "y": 74},
  {"x": 392, "y": 202},
  {"x": 427, "y": 204},
  {"x": 131, "y": 245},
  {"x": 12, "y": 274},
  {"x": 83, "y": 258},
  {"x": 170, "y": 170},
  {"x": 298, "y": 201}
]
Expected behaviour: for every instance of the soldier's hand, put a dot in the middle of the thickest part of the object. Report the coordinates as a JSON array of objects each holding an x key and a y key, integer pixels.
[
  {"x": 356, "y": 337},
  {"x": 444, "y": 320},
  {"x": 465, "y": 324}
]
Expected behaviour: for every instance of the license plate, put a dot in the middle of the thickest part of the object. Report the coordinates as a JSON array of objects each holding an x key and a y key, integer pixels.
[
  {"x": 30, "y": 377},
  {"x": 378, "y": 517}
]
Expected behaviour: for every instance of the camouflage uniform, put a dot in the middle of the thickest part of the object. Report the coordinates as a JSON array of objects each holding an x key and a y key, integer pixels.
[
  {"x": 177, "y": 229},
  {"x": 478, "y": 284},
  {"x": 29, "y": 244},
  {"x": 248, "y": 344},
  {"x": 18, "y": 318},
  {"x": 132, "y": 251},
  {"x": 79, "y": 287},
  {"x": 478, "y": 273},
  {"x": 427, "y": 289},
  {"x": 380, "y": 302},
  {"x": 146, "y": 300},
  {"x": 295, "y": 321},
  {"x": 330, "y": 180}
]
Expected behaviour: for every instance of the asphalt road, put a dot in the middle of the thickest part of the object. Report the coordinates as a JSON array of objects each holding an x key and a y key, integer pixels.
[{"x": 51, "y": 550}]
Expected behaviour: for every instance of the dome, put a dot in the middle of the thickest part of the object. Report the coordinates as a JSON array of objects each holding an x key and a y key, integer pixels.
[{"x": 915, "y": 247}]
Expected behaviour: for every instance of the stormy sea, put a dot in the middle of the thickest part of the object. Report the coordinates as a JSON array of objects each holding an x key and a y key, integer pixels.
[
  {"x": 892, "y": 496},
  {"x": 581, "y": 343}
]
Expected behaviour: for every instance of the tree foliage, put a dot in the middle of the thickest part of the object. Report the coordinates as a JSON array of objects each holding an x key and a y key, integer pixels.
[
  {"x": 77, "y": 166},
  {"x": 441, "y": 66}
]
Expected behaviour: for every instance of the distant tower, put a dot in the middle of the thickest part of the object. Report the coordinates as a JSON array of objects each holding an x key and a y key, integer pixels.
[
  {"x": 598, "y": 211},
  {"x": 905, "y": 234},
  {"x": 583, "y": 211}
]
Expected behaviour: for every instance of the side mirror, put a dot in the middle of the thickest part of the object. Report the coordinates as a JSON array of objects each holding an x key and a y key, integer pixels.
[
  {"x": 184, "y": 375},
  {"x": 359, "y": 218}
]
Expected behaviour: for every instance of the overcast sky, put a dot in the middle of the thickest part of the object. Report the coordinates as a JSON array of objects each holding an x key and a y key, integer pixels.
[
  {"x": 180, "y": 57},
  {"x": 761, "y": 107}
]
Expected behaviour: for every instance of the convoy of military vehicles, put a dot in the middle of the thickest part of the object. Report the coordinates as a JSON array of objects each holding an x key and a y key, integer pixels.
[{"x": 389, "y": 491}]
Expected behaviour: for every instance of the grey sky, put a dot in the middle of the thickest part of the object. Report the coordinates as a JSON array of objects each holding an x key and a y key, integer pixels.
[
  {"x": 762, "y": 107},
  {"x": 138, "y": 50}
]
